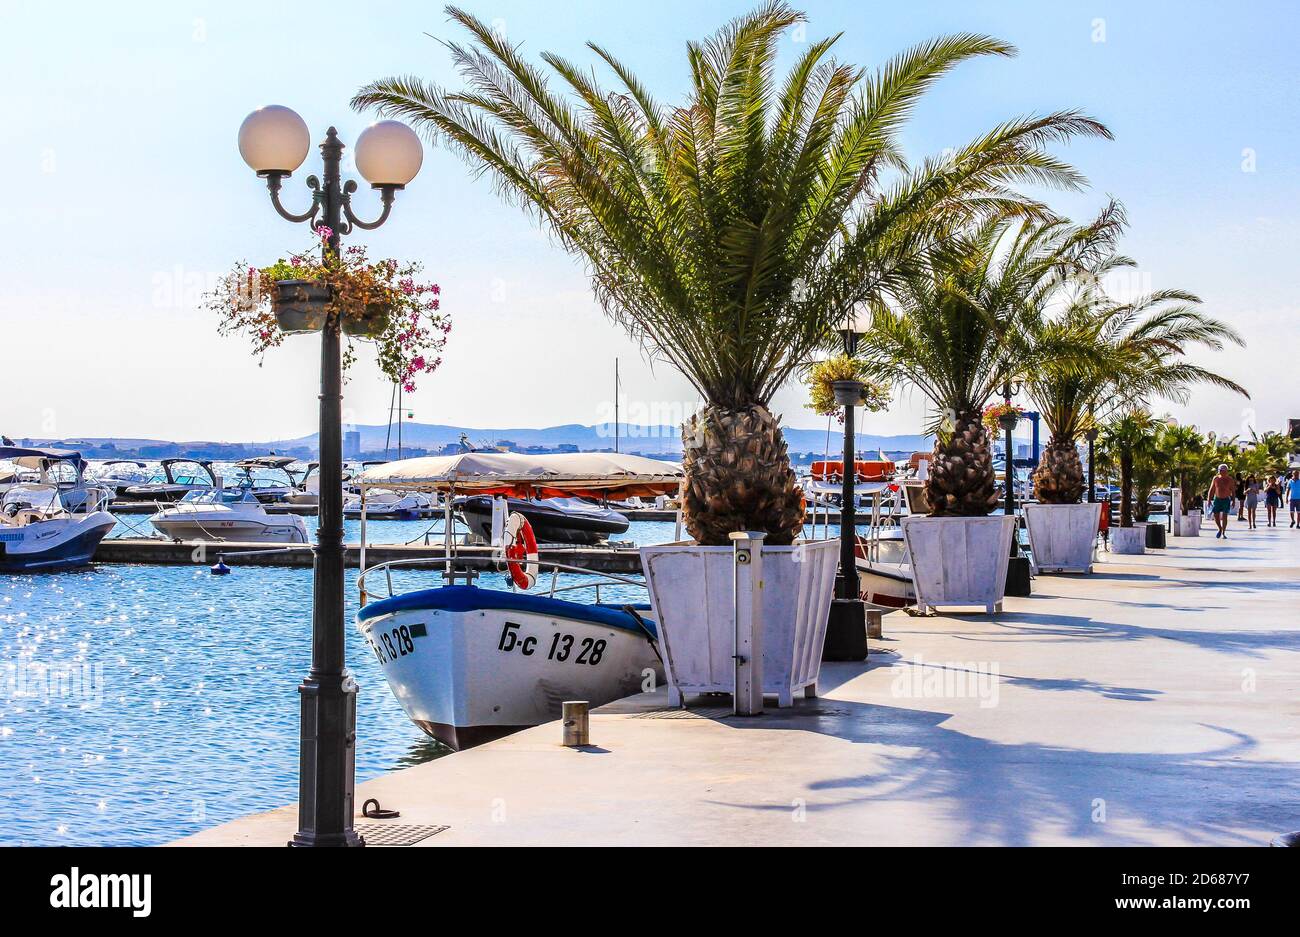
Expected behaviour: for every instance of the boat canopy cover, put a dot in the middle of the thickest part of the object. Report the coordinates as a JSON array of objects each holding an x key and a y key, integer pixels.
[
  {"x": 267, "y": 461},
  {"x": 30, "y": 457},
  {"x": 549, "y": 475}
]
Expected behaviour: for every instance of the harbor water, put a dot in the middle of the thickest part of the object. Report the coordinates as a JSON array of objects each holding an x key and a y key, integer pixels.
[{"x": 140, "y": 703}]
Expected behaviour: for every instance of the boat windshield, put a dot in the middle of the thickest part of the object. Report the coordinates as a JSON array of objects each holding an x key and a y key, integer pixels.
[
  {"x": 27, "y": 497},
  {"x": 225, "y": 496}
]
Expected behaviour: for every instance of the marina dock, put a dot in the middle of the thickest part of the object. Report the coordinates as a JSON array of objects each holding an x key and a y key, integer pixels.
[
  {"x": 1145, "y": 704},
  {"x": 419, "y": 556}
]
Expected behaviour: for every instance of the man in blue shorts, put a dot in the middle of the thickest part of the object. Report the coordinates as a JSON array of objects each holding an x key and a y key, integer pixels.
[
  {"x": 1293, "y": 492},
  {"x": 1220, "y": 498}
]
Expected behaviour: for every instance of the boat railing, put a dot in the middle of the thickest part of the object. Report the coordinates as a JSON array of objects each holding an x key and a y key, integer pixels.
[{"x": 605, "y": 578}]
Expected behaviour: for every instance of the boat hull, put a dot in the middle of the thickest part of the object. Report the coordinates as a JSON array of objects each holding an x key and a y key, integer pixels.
[
  {"x": 549, "y": 525},
  {"x": 886, "y": 585},
  {"x": 49, "y": 546},
  {"x": 469, "y": 665},
  {"x": 278, "y": 529}
]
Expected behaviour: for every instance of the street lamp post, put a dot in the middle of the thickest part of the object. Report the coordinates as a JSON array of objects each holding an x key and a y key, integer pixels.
[
  {"x": 846, "y": 630},
  {"x": 1019, "y": 572},
  {"x": 1091, "y": 434},
  {"x": 274, "y": 141}
]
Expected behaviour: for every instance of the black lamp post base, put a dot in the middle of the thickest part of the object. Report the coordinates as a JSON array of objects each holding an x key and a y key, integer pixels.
[
  {"x": 846, "y": 631},
  {"x": 1018, "y": 577},
  {"x": 328, "y": 753}
]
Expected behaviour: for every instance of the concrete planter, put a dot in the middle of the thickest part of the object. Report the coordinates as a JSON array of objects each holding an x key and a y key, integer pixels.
[
  {"x": 959, "y": 560},
  {"x": 1129, "y": 541},
  {"x": 1063, "y": 536},
  {"x": 1189, "y": 524},
  {"x": 693, "y": 601}
]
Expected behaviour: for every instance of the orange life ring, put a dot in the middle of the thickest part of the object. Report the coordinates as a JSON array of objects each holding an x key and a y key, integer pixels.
[{"x": 521, "y": 551}]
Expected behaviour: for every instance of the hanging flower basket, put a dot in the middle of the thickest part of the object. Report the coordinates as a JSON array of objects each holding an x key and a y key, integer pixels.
[
  {"x": 300, "y": 305},
  {"x": 382, "y": 302},
  {"x": 371, "y": 324},
  {"x": 1002, "y": 415},
  {"x": 848, "y": 393}
]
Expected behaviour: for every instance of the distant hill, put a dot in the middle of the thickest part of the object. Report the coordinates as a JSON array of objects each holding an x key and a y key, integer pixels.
[
  {"x": 633, "y": 437},
  {"x": 653, "y": 440}
]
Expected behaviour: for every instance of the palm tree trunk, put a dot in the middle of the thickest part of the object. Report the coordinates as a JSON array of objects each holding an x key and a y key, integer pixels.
[
  {"x": 1059, "y": 477},
  {"x": 961, "y": 478},
  {"x": 1125, "y": 488},
  {"x": 739, "y": 477}
]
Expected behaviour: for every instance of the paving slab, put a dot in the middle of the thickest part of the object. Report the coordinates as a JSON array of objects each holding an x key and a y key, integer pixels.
[{"x": 1155, "y": 702}]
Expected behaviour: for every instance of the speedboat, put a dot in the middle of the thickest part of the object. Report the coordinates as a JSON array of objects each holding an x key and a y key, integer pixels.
[
  {"x": 469, "y": 664},
  {"x": 117, "y": 475},
  {"x": 260, "y": 477},
  {"x": 390, "y": 505},
  {"x": 175, "y": 479},
  {"x": 233, "y": 514},
  {"x": 554, "y": 520},
  {"x": 55, "y": 522}
]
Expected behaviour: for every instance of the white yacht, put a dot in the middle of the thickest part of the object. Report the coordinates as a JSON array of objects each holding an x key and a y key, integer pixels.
[
  {"x": 54, "y": 522},
  {"x": 233, "y": 514}
]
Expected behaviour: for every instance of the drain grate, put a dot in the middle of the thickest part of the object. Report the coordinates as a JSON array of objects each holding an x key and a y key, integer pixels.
[
  {"x": 708, "y": 712},
  {"x": 397, "y": 834}
]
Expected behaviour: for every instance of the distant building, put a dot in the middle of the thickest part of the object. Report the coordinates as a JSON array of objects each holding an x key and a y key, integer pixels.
[{"x": 352, "y": 444}]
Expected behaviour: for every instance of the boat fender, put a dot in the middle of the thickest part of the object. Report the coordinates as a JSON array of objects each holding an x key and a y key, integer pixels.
[
  {"x": 220, "y": 568},
  {"x": 521, "y": 551}
]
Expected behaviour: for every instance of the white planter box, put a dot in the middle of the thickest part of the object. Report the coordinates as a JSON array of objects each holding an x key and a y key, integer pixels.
[
  {"x": 1129, "y": 541},
  {"x": 692, "y": 596},
  {"x": 959, "y": 560},
  {"x": 1189, "y": 524},
  {"x": 1063, "y": 536}
]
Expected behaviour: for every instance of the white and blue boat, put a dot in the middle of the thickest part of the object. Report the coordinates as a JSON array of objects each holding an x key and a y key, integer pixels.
[
  {"x": 469, "y": 664},
  {"x": 54, "y": 522}
]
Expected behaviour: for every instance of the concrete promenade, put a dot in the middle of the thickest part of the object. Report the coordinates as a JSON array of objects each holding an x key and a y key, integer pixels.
[{"x": 1154, "y": 702}]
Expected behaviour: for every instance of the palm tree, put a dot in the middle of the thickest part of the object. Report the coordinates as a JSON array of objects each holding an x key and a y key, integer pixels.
[
  {"x": 732, "y": 233},
  {"x": 1129, "y": 436},
  {"x": 1113, "y": 357},
  {"x": 952, "y": 327},
  {"x": 1185, "y": 449}
]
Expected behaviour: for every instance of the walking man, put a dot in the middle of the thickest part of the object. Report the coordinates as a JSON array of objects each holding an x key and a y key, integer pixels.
[
  {"x": 1293, "y": 492},
  {"x": 1221, "y": 491}
]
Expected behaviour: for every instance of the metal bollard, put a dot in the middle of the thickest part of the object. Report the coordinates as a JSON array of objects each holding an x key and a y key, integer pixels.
[
  {"x": 577, "y": 723},
  {"x": 874, "y": 629},
  {"x": 748, "y": 688}
]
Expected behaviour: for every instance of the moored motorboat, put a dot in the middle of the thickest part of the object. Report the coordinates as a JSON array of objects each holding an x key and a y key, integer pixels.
[
  {"x": 268, "y": 477},
  {"x": 175, "y": 479},
  {"x": 55, "y": 522},
  {"x": 390, "y": 505},
  {"x": 468, "y": 663},
  {"x": 554, "y": 520},
  {"x": 117, "y": 475},
  {"x": 233, "y": 514}
]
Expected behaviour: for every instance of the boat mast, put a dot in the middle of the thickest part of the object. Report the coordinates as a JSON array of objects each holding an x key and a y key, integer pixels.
[{"x": 616, "y": 405}]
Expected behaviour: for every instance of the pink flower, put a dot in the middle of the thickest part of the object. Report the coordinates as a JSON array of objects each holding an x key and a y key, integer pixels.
[
  {"x": 418, "y": 362},
  {"x": 325, "y": 232}
]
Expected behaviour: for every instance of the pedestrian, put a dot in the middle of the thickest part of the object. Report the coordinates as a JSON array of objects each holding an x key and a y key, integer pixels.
[
  {"x": 1239, "y": 495},
  {"x": 1293, "y": 492},
  {"x": 1220, "y": 498},
  {"x": 1272, "y": 499},
  {"x": 1252, "y": 499}
]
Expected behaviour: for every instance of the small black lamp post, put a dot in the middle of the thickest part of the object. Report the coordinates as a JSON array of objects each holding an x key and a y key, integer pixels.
[
  {"x": 274, "y": 141},
  {"x": 846, "y": 630},
  {"x": 1018, "y": 569},
  {"x": 1091, "y": 435}
]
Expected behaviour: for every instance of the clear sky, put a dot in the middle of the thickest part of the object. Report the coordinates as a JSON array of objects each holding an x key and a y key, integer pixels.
[{"x": 125, "y": 196}]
